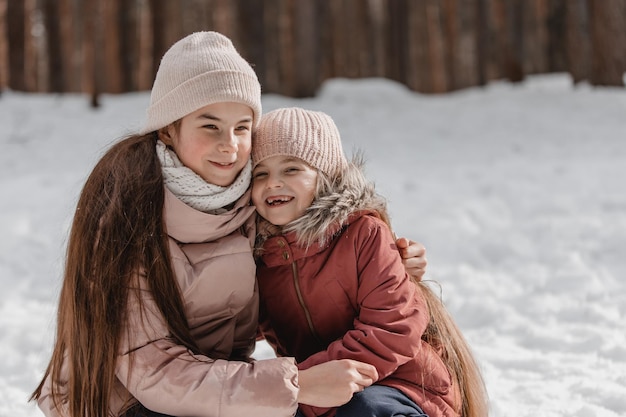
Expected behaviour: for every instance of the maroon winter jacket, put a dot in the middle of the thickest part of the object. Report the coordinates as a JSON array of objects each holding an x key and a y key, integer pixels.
[{"x": 352, "y": 299}]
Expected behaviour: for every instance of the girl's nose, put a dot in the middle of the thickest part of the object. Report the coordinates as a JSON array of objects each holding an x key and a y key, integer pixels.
[
  {"x": 274, "y": 181},
  {"x": 228, "y": 142}
]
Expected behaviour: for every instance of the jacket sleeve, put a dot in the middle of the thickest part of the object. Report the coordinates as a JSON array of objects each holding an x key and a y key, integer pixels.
[
  {"x": 392, "y": 313},
  {"x": 168, "y": 378}
]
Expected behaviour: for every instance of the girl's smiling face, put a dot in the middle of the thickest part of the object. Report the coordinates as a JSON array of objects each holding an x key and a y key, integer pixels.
[
  {"x": 214, "y": 141},
  {"x": 283, "y": 187}
]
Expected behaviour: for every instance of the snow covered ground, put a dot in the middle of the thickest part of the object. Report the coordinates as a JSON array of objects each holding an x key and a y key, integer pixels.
[{"x": 517, "y": 191}]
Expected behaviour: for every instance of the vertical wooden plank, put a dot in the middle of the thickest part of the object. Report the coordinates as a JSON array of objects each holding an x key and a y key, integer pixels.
[
  {"x": 16, "y": 34},
  {"x": 397, "y": 57},
  {"x": 356, "y": 36},
  {"x": 89, "y": 72},
  {"x": 347, "y": 26},
  {"x": 306, "y": 48},
  {"x": 535, "y": 36},
  {"x": 126, "y": 24},
  {"x": 72, "y": 29},
  {"x": 145, "y": 69},
  {"x": 166, "y": 28},
  {"x": 437, "y": 71},
  {"x": 100, "y": 64},
  {"x": 173, "y": 29},
  {"x": 224, "y": 18},
  {"x": 158, "y": 19},
  {"x": 495, "y": 21},
  {"x": 451, "y": 26},
  {"x": 377, "y": 25},
  {"x": 55, "y": 68},
  {"x": 270, "y": 80},
  {"x": 366, "y": 41},
  {"x": 483, "y": 41},
  {"x": 326, "y": 55},
  {"x": 467, "y": 56},
  {"x": 111, "y": 47},
  {"x": 69, "y": 46},
  {"x": 578, "y": 40},
  {"x": 460, "y": 46},
  {"x": 338, "y": 31},
  {"x": 345, "y": 15},
  {"x": 279, "y": 68},
  {"x": 426, "y": 66},
  {"x": 250, "y": 40},
  {"x": 417, "y": 67},
  {"x": 556, "y": 33},
  {"x": 514, "y": 41},
  {"x": 194, "y": 15},
  {"x": 608, "y": 37},
  {"x": 31, "y": 59},
  {"x": 4, "y": 48},
  {"x": 286, "y": 48}
]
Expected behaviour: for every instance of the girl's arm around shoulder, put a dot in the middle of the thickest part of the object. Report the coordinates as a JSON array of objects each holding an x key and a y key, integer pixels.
[{"x": 413, "y": 257}]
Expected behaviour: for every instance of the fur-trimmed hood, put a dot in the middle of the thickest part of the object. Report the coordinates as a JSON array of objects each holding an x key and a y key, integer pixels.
[{"x": 337, "y": 200}]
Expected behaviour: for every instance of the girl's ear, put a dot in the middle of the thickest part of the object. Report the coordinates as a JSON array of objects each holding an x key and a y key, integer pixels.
[{"x": 166, "y": 134}]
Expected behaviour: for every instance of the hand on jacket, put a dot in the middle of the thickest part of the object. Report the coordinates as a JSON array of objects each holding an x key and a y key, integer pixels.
[
  {"x": 413, "y": 257},
  {"x": 332, "y": 384}
]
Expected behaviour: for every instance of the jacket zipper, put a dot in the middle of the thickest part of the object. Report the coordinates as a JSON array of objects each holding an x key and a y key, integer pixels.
[{"x": 296, "y": 283}]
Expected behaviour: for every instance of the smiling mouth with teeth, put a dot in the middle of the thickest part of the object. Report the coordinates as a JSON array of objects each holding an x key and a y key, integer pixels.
[{"x": 276, "y": 201}]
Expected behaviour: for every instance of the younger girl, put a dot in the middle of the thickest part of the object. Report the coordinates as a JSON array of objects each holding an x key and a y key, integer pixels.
[{"x": 332, "y": 284}]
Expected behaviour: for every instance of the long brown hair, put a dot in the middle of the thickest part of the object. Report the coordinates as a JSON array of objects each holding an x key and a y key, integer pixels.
[{"x": 118, "y": 232}]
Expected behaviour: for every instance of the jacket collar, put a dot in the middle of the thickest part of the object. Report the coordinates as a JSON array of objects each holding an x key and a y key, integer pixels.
[
  {"x": 187, "y": 225},
  {"x": 285, "y": 249}
]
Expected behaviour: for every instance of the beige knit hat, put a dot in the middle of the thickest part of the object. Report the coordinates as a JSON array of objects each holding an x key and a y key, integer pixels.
[
  {"x": 309, "y": 135},
  {"x": 200, "y": 69}
]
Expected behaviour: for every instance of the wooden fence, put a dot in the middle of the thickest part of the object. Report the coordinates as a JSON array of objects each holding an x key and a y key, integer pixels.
[{"x": 432, "y": 46}]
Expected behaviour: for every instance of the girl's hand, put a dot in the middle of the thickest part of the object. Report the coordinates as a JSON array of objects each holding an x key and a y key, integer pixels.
[
  {"x": 332, "y": 384},
  {"x": 413, "y": 257}
]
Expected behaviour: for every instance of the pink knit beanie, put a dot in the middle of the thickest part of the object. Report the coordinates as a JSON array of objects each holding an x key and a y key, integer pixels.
[
  {"x": 200, "y": 69},
  {"x": 309, "y": 135}
]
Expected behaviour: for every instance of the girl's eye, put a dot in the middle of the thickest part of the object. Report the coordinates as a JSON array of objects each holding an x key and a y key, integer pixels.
[
  {"x": 212, "y": 127},
  {"x": 243, "y": 128},
  {"x": 258, "y": 175},
  {"x": 291, "y": 170}
]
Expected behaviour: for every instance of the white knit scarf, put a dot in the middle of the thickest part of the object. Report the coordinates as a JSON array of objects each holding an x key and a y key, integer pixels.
[{"x": 194, "y": 191}]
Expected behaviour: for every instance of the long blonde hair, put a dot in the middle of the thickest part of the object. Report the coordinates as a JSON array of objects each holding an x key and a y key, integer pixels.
[{"x": 443, "y": 334}]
